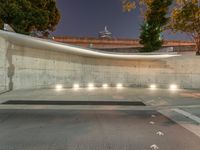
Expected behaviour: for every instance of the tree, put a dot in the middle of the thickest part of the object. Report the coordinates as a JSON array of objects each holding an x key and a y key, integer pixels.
[
  {"x": 186, "y": 18},
  {"x": 26, "y": 16},
  {"x": 150, "y": 37},
  {"x": 155, "y": 18}
]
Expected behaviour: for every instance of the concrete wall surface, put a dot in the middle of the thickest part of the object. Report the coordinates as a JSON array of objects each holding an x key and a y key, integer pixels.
[
  {"x": 23, "y": 67},
  {"x": 3, "y": 47}
]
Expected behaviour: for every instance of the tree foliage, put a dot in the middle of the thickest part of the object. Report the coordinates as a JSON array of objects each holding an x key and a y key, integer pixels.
[
  {"x": 186, "y": 18},
  {"x": 155, "y": 18},
  {"x": 25, "y": 16},
  {"x": 128, "y": 5},
  {"x": 150, "y": 37}
]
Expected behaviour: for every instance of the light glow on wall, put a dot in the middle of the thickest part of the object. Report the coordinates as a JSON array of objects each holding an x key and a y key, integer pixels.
[
  {"x": 119, "y": 85},
  {"x": 76, "y": 86},
  {"x": 173, "y": 87},
  {"x": 59, "y": 87},
  {"x": 90, "y": 86},
  {"x": 105, "y": 86},
  {"x": 153, "y": 86}
]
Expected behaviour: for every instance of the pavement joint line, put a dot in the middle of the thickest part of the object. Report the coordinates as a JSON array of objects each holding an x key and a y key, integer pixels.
[
  {"x": 189, "y": 115},
  {"x": 189, "y": 106},
  {"x": 77, "y": 107},
  {"x": 93, "y": 107}
]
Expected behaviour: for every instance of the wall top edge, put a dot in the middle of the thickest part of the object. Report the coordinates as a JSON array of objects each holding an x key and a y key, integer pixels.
[{"x": 38, "y": 43}]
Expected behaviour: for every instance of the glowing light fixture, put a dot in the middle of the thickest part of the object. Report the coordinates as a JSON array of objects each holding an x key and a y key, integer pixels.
[
  {"x": 105, "y": 86},
  {"x": 59, "y": 87},
  {"x": 119, "y": 85},
  {"x": 91, "y": 86},
  {"x": 152, "y": 86},
  {"x": 173, "y": 87},
  {"x": 76, "y": 86}
]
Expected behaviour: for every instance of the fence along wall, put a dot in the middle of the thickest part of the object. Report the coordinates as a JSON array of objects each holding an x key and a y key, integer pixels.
[{"x": 24, "y": 67}]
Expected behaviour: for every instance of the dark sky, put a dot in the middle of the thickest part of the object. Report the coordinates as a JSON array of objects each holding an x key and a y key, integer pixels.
[{"x": 85, "y": 18}]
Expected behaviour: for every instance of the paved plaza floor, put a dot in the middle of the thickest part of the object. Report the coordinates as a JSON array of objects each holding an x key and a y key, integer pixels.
[
  {"x": 169, "y": 121},
  {"x": 91, "y": 130}
]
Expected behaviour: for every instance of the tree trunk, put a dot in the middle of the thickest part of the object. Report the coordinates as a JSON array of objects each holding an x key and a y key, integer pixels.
[
  {"x": 1, "y": 24},
  {"x": 198, "y": 48},
  {"x": 197, "y": 41}
]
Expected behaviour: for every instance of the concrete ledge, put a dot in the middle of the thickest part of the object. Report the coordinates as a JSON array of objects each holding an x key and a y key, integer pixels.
[{"x": 38, "y": 43}]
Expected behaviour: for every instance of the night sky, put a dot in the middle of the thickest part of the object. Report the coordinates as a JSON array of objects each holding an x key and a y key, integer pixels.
[{"x": 85, "y": 18}]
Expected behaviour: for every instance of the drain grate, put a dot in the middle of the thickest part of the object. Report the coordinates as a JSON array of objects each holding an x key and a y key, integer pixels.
[{"x": 42, "y": 102}]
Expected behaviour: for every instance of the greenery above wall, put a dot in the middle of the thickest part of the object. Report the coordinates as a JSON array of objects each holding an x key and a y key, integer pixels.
[
  {"x": 186, "y": 18},
  {"x": 26, "y": 16},
  {"x": 155, "y": 18}
]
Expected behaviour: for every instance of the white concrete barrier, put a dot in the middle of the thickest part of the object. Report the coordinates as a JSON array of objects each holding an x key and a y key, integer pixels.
[{"x": 27, "y": 62}]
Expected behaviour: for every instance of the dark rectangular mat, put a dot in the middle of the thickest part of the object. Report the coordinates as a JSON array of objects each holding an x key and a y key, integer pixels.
[{"x": 42, "y": 102}]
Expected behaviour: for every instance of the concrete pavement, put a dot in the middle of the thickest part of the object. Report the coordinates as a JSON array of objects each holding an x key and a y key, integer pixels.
[
  {"x": 91, "y": 130},
  {"x": 30, "y": 127}
]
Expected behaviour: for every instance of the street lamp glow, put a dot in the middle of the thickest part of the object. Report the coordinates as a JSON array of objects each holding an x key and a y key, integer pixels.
[
  {"x": 173, "y": 87},
  {"x": 105, "y": 86},
  {"x": 119, "y": 85},
  {"x": 59, "y": 87},
  {"x": 152, "y": 86}
]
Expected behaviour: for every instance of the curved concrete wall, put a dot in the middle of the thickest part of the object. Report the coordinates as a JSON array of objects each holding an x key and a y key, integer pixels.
[{"x": 42, "y": 64}]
